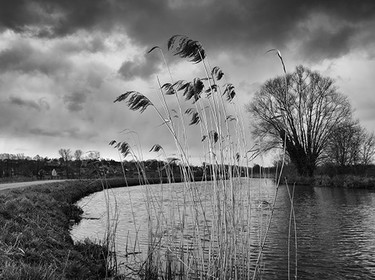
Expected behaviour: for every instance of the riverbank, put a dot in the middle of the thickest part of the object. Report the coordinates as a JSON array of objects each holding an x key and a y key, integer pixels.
[
  {"x": 338, "y": 181},
  {"x": 345, "y": 181},
  {"x": 35, "y": 241}
]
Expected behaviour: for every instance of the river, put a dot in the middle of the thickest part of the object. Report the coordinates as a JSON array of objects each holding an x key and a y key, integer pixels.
[{"x": 335, "y": 227}]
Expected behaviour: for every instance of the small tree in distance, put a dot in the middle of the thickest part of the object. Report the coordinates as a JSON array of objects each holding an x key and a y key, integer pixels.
[
  {"x": 298, "y": 112},
  {"x": 367, "y": 149},
  {"x": 344, "y": 144},
  {"x": 78, "y": 155},
  {"x": 66, "y": 156},
  {"x": 350, "y": 145}
]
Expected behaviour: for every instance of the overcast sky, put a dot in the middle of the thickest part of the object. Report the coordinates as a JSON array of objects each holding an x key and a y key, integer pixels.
[{"x": 62, "y": 63}]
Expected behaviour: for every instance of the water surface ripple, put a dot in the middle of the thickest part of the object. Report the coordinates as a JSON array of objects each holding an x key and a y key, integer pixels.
[{"x": 335, "y": 228}]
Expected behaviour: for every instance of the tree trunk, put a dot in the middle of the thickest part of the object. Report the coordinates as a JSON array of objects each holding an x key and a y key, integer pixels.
[{"x": 304, "y": 162}]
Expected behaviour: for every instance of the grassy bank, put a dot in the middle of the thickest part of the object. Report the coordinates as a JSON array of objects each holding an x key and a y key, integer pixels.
[
  {"x": 35, "y": 242},
  {"x": 345, "y": 181},
  {"x": 337, "y": 181}
]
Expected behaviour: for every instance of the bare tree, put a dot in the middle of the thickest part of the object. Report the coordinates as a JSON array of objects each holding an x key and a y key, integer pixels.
[
  {"x": 37, "y": 158},
  {"x": 344, "y": 144},
  {"x": 367, "y": 149},
  {"x": 66, "y": 156},
  {"x": 21, "y": 156},
  {"x": 298, "y": 111},
  {"x": 78, "y": 155},
  {"x": 78, "y": 162}
]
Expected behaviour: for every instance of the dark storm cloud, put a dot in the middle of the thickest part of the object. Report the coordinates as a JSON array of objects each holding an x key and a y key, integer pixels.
[
  {"x": 22, "y": 57},
  {"x": 324, "y": 44},
  {"x": 143, "y": 68},
  {"x": 52, "y": 18},
  {"x": 217, "y": 24},
  {"x": 39, "y": 105}
]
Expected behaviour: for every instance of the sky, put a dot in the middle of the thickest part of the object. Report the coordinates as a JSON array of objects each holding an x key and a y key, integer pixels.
[{"x": 63, "y": 63}]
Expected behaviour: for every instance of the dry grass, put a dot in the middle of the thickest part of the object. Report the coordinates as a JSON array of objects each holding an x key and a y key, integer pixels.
[{"x": 35, "y": 241}]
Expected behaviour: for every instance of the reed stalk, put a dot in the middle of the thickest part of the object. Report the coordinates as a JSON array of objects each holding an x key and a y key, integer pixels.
[{"x": 201, "y": 237}]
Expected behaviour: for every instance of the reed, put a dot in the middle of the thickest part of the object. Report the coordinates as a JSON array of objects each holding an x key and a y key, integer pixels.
[{"x": 208, "y": 235}]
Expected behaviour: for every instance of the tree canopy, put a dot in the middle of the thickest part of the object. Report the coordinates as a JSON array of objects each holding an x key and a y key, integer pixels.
[{"x": 298, "y": 112}]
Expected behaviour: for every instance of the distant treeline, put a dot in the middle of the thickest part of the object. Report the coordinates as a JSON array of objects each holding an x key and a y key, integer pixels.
[
  {"x": 20, "y": 168},
  {"x": 15, "y": 167}
]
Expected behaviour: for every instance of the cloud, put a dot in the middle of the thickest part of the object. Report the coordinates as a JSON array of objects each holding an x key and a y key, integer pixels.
[
  {"x": 22, "y": 57},
  {"x": 73, "y": 132},
  {"x": 52, "y": 18},
  {"x": 323, "y": 44},
  {"x": 140, "y": 68},
  {"x": 217, "y": 24},
  {"x": 28, "y": 55},
  {"x": 92, "y": 42},
  {"x": 249, "y": 88},
  {"x": 44, "y": 132},
  {"x": 39, "y": 105},
  {"x": 75, "y": 101}
]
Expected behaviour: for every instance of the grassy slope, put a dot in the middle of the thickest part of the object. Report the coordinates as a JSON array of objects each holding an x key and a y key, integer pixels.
[{"x": 35, "y": 242}]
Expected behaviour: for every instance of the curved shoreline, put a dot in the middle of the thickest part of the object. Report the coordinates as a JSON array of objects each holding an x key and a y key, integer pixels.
[
  {"x": 35, "y": 240},
  {"x": 36, "y": 219},
  {"x": 36, "y": 222}
]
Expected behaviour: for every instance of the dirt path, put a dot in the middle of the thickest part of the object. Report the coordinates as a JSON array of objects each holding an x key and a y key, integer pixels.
[{"x": 7, "y": 186}]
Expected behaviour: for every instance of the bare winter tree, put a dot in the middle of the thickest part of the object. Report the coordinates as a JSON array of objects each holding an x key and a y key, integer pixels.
[
  {"x": 367, "y": 149},
  {"x": 66, "y": 156},
  {"x": 298, "y": 110},
  {"x": 78, "y": 155},
  {"x": 344, "y": 144}
]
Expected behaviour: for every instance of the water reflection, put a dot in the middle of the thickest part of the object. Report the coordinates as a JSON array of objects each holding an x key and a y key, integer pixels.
[{"x": 335, "y": 227}]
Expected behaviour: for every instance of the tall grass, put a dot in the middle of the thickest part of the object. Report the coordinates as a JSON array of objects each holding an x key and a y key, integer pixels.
[
  {"x": 35, "y": 241},
  {"x": 205, "y": 232}
]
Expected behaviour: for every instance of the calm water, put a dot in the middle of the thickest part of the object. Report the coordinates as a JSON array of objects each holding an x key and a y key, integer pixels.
[{"x": 335, "y": 227}]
